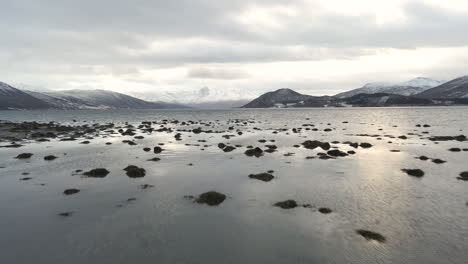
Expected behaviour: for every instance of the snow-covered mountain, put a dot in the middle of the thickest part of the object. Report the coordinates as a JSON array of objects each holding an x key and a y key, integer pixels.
[
  {"x": 97, "y": 99},
  {"x": 408, "y": 88},
  {"x": 205, "y": 97},
  {"x": 457, "y": 88},
  {"x": 12, "y": 98}
]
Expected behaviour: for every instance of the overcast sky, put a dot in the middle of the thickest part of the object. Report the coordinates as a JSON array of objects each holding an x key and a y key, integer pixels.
[{"x": 240, "y": 48}]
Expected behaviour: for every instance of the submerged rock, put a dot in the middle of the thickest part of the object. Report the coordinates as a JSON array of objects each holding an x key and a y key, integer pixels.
[
  {"x": 414, "y": 172},
  {"x": 97, "y": 173},
  {"x": 288, "y": 204},
  {"x": 24, "y": 156},
  {"x": 71, "y": 191},
  {"x": 370, "y": 235},
  {"x": 211, "y": 198},
  {"x": 65, "y": 214},
  {"x": 146, "y": 186},
  {"x": 266, "y": 177}
]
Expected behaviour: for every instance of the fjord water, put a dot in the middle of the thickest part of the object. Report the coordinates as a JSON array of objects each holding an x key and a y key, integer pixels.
[{"x": 423, "y": 219}]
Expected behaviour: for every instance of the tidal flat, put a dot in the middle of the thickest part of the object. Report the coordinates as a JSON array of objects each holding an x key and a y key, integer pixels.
[{"x": 342, "y": 185}]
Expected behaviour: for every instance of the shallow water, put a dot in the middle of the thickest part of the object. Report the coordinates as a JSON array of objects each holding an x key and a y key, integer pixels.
[{"x": 424, "y": 219}]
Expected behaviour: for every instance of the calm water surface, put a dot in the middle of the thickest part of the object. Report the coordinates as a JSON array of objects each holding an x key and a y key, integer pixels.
[{"x": 425, "y": 220}]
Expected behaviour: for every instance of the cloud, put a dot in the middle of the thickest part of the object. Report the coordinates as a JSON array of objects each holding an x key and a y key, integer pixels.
[
  {"x": 224, "y": 74},
  {"x": 187, "y": 44}
]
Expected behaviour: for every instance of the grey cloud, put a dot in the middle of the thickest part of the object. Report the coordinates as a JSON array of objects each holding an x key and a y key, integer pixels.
[
  {"x": 69, "y": 39},
  {"x": 208, "y": 73}
]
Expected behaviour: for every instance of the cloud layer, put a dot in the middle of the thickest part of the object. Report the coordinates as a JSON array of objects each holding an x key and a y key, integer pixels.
[{"x": 161, "y": 47}]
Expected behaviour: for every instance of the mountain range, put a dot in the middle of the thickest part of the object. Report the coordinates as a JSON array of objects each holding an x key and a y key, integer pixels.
[
  {"x": 418, "y": 91},
  {"x": 13, "y": 98}
]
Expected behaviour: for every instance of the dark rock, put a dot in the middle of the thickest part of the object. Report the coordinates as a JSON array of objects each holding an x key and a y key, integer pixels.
[
  {"x": 154, "y": 159},
  {"x": 463, "y": 176},
  {"x": 365, "y": 145},
  {"x": 50, "y": 157},
  {"x": 266, "y": 177},
  {"x": 312, "y": 144},
  {"x": 369, "y": 235},
  {"x": 448, "y": 138},
  {"x": 97, "y": 173},
  {"x": 135, "y": 172},
  {"x": 337, "y": 153},
  {"x": 455, "y": 149},
  {"x": 229, "y": 149},
  {"x": 257, "y": 152},
  {"x": 24, "y": 156},
  {"x": 423, "y": 158},
  {"x": 211, "y": 198},
  {"x": 414, "y": 172},
  {"x": 25, "y": 179},
  {"x": 324, "y": 210},
  {"x": 71, "y": 191},
  {"x": 85, "y": 142},
  {"x": 438, "y": 161},
  {"x": 288, "y": 204},
  {"x": 157, "y": 150},
  {"x": 146, "y": 149},
  {"x": 221, "y": 145}
]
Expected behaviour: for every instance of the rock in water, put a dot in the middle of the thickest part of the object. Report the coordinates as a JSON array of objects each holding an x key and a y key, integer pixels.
[
  {"x": 337, "y": 153},
  {"x": 414, "y": 172},
  {"x": 229, "y": 149},
  {"x": 71, "y": 191},
  {"x": 135, "y": 172},
  {"x": 257, "y": 152},
  {"x": 266, "y": 177},
  {"x": 365, "y": 145},
  {"x": 312, "y": 144},
  {"x": 463, "y": 176},
  {"x": 97, "y": 173},
  {"x": 50, "y": 157},
  {"x": 288, "y": 204},
  {"x": 324, "y": 210},
  {"x": 24, "y": 156},
  {"x": 369, "y": 235},
  {"x": 157, "y": 150},
  {"x": 211, "y": 198}
]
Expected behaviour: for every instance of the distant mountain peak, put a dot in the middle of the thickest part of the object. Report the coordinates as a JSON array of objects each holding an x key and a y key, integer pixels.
[
  {"x": 456, "y": 88},
  {"x": 408, "y": 88},
  {"x": 280, "y": 97}
]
